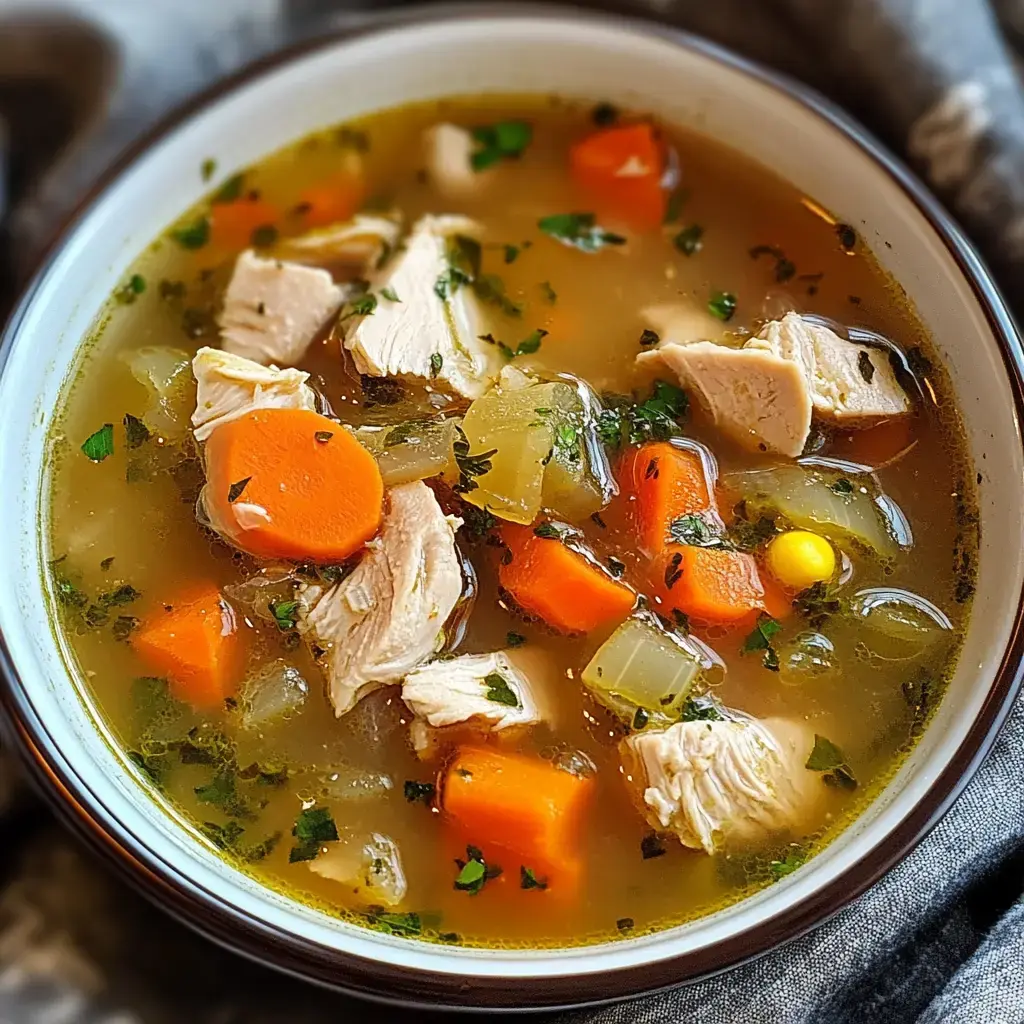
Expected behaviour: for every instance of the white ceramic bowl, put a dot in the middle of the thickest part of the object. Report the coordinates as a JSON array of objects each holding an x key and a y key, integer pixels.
[{"x": 680, "y": 80}]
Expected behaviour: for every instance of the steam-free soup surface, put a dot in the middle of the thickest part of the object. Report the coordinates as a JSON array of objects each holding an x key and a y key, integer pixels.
[{"x": 832, "y": 646}]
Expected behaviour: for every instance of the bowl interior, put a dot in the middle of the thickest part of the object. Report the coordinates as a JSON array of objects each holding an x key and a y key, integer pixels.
[{"x": 577, "y": 57}]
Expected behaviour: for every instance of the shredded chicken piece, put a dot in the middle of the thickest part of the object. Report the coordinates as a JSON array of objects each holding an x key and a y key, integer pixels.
[
  {"x": 355, "y": 244},
  {"x": 388, "y": 616},
  {"x": 718, "y": 782},
  {"x": 447, "y": 150},
  {"x": 230, "y": 386},
  {"x": 422, "y": 334},
  {"x": 273, "y": 308}
]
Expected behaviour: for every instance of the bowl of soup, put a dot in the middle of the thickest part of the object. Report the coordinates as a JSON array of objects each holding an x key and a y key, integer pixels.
[{"x": 509, "y": 511}]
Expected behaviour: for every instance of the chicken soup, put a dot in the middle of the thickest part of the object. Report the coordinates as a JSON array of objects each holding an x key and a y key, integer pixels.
[{"x": 511, "y": 522}]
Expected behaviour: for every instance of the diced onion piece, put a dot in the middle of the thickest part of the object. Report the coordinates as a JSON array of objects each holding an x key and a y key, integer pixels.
[
  {"x": 642, "y": 666},
  {"x": 838, "y": 507},
  {"x": 369, "y": 864},
  {"x": 412, "y": 451},
  {"x": 900, "y": 625},
  {"x": 166, "y": 373},
  {"x": 511, "y": 421},
  {"x": 276, "y": 692}
]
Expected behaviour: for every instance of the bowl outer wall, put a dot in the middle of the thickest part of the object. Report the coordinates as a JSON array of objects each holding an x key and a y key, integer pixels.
[{"x": 811, "y": 144}]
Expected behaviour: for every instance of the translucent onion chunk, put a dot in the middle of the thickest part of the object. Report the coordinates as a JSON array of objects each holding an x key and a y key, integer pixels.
[
  {"x": 277, "y": 691},
  {"x": 643, "y": 666},
  {"x": 415, "y": 450},
  {"x": 166, "y": 373},
  {"x": 808, "y": 658},
  {"x": 369, "y": 864},
  {"x": 900, "y": 625}
]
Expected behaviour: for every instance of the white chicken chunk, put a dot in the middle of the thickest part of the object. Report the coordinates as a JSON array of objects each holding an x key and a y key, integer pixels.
[
  {"x": 369, "y": 865},
  {"x": 421, "y": 334},
  {"x": 850, "y": 384},
  {"x": 273, "y": 309},
  {"x": 388, "y": 616},
  {"x": 720, "y": 782},
  {"x": 489, "y": 691},
  {"x": 447, "y": 152},
  {"x": 230, "y": 386},
  {"x": 757, "y": 398},
  {"x": 355, "y": 244}
]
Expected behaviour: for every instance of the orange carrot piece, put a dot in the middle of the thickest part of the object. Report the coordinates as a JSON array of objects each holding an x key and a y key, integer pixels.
[
  {"x": 290, "y": 483},
  {"x": 563, "y": 587},
  {"x": 232, "y": 224},
  {"x": 664, "y": 482},
  {"x": 876, "y": 445},
  {"x": 519, "y": 806},
  {"x": 334, "y": 199},
  {"x": 711, "y": 586},
  {"x": 195, "y": 645},
  {"x": 622, "y": 168},
  {"x": 778, "y": 603}
]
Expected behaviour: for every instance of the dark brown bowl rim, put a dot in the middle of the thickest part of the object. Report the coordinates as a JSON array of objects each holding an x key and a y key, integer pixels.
[{"x": 353, "y": 975}]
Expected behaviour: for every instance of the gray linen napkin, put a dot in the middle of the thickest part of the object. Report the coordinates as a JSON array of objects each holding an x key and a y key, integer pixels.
[{"x": 940, "y": 938}]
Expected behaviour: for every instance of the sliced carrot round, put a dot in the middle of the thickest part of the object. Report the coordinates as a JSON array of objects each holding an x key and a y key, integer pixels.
[
  {"x": 333, "y": 199},
  {"x": 232, "y": 224},
  {"x": 290, "y": 483},
  {"x": 559, "y": 585}
]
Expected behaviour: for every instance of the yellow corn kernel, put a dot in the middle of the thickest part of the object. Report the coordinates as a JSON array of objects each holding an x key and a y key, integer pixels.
[{"x": 798, "y": 559}]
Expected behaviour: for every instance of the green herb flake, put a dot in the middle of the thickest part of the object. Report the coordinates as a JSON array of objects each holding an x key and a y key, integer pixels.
[
  {"x": 263, "y": 236},
  {"x": 785, "y": 269},
  {"x": 207, "y": 168},
  {"x": 616, "y": 566},
  {"x": 689, "y": 241},
  {"x": 701, "y": 709},
  {"x": 223, "y": 837},
  {"x": 107, "y": 563},
  {"x": 222, "y": 791},
  {"x": 722, "y": 305},
  {"x": 131, "y": 290},
  {"x": 625, "y": 924},
  {"x": 381, "y": 390},
  {"x": 529, "y": 880},
  {"x": 313, "y": 827},
  {"x": 124, "y": 626},
  {"x": 604, "y": 114},
  {"x": 865, "y": 367},
  {"x": 640, "y": 719},
  {"x": 389, "y": 293},
  {"x": 419, "y": 792},
  {"x": 506, "y": 140},
  {"x": 549, "y": 293},
  {"x": 236, "y": 489},
  {"x": 514, "y": 639},
  {"x": 651, "y": 846},
  {"x": 817, "y": 604},
  {"x": 474, "y": 872},
  {"x": 136, "y": 432},
  {"x": 101, "y": 444},
  {"x": 124, "y": 594},
  {"x": 323, "y": 436},
  {"x": 674, "y": 206},
  {"x": 396, "y": 923},
  {"x": 841, "y": 486},
  {"x": 649, "y": 338},
  {"x": 550, "y": 531},
  {"x": 579, "y": 231},
  {"x": 511, "y": 253},
  {"x": 284, "y": 613},
  {"x": 826, "y": 757},
  {"x": 847, "y": 237},
  {"x": 760, "y": 638},
  {"x": 352, "y": 138},
  {"x": 499, "y": 691},
  {"x": 230, "y": 190},
  {"x": 436, "y": 363},
  {"x": 696, "y": 531},
  {"x": 470, "y": 465},
  {"x": 194, "y": 235},
  {"x": 792, "y": 859}
]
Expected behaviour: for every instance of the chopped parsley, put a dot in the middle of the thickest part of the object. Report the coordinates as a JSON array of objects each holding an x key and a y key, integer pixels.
[
  {"x": 696, "y": 531},
  {"x": 474, "y": 872},
  {"x": 784, "y": 268},
  {"x": 194, "y": 235},
  {"x": 436, "y": 362},
  {"x": 674, "y": 206},
  {"x": 390, "y": 294},
  {"x": 826, "y": 757},
  {"x": 701, "y": 709},
  {"x": 323, "y": 436},
  {"x": 793, "y": 858},
  {"x": 236, "y": 489},
  {"x": 499, "y": 691},
  {"x": 101, "y": 444},
  {"x": 625, "y": 924},
  {"x": 512, "y": 253},
  {"x": 364, "y": 305},
  {"x": 222, "y": 792},
  {"x": 841, "y": 486},
  {"x": 722, "y": 305},
  {"x": 230, "y": 190},
  {"x": 657, "y": 418},
  {"x": 123, "y": 626},
  {"x": 651, "y": 846},
  {"x": 817, "y": 604},
  {"x": 760, "y": 639},
  {"x": 463, "y": 255},
  {"x": 124, "y": 594},
  {"x": 396, "y": 923},
  {"x": 673, "y": 570},
  {"x": 550, "y": 531},
  {"x": 528, "y": 880},
  {"x": 847, "y": 236},
  {"x": 506, "y": 140},
  {"x": 491, "y": 289},
  {"x": 689, "y": 241},
  {"x": 313, "y": 827},
  {"x": 470, "y": 465},
  {"x": 352, "y": 138},
  {"x": 649, "y": 338},
  {"x": 640, "y": 719},
  {"x": 419, "y": 792},
  {"x": 131, "y": 290},
  {"x": 919, "y": 692},
  {"x": 514, "y": 639},
  {"x": 107, "y": 563},
  {"x": 284, "y": 614},
  {"x": 548, "y": 292},
  {"x": 748, "y": 534},
  {"x": 136, "y": 432},
  {"x": 207, "y": 168},
  {"x": 529, "y": 344},
  {"x": 380, "y": 390},
  {"x": 865, "y": 367},
  {"x": 604, "y": 114},
  {"x": 578, "y": 230}
]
